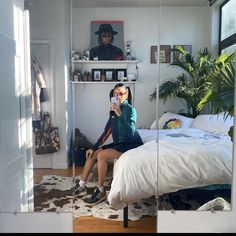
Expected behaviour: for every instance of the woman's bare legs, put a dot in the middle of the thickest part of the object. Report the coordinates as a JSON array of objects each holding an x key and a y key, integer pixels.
[
  {"x": 89, "y": 165},
  {"x": 102, "y": 157}
]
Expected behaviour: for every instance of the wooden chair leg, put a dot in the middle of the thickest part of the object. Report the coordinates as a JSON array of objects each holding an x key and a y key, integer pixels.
[{"x": 125, "y": 219}]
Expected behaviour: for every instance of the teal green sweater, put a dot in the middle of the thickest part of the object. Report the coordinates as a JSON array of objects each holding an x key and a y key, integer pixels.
[{"x": 122, "y": 128}]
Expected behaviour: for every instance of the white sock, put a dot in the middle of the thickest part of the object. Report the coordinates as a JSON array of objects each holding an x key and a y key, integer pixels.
[
  {"x": 82, "y": 183},
  {"x": 101, "y": 189}
]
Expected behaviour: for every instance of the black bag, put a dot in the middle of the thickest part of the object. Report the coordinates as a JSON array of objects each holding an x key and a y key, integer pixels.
[
  {"x": 80, "y": 146},
  {"x": 80, "y": 155},
  {"x": 80, "y": 139},
  {"x": 47, "y": 139}
]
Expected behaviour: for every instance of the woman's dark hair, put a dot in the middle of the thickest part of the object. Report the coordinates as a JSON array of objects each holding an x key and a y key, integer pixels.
[
  {"x": 111, "y": 94},
  {"x": 129, "y": 91}
]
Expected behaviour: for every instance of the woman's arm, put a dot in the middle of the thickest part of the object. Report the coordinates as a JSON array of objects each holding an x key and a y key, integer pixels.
[{"x": 102, "y": 139}]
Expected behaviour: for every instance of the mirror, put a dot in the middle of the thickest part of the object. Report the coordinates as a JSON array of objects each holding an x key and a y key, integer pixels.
[
  {"x": 195, "y": 149},
  {"x": 91, "y": 101},
  {"x": 164, "y": 73},
  {"x": 53, "y": 180}
]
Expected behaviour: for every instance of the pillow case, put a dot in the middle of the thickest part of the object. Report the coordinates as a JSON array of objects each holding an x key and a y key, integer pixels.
[
  {"x": 215, "y": 124},
  {"x": 154, "y": 125},
  {"x": 185, "y": 121}
]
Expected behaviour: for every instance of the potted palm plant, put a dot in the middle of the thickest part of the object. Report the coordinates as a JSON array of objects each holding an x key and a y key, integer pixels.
[
  {"x": 219, "y": 89},
  {"x": 190, "y": 85},
  {"x": 193, "y": 84}
]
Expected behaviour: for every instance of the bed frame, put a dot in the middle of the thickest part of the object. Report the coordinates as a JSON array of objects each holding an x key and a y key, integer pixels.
[{"x": 125, "y": 217}]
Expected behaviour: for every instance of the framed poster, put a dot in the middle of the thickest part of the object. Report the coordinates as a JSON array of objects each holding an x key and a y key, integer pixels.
[{"x": 108, "y": 34}]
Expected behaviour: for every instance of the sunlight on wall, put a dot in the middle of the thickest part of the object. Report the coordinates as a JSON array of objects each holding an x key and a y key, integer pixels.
[{"x": 66, "y": 95}]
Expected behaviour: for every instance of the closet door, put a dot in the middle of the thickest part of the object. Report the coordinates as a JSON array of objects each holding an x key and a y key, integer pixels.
[{"x": 15, "y": 142}]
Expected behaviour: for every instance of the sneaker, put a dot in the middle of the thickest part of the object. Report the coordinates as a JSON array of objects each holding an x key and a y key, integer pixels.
[
  {"x": 80, "y": 191},
  {"x": 96, "y": 197}
]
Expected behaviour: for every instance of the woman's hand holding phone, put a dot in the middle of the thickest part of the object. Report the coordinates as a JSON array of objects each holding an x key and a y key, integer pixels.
[{"x": 115, "y": 106}]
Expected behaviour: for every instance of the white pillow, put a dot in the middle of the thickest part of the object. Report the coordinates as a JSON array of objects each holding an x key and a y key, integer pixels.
[
  {"x": 215, "y": 124},
  {"x": 154, "y": 125},
  {"x": 186, "y": 121}
]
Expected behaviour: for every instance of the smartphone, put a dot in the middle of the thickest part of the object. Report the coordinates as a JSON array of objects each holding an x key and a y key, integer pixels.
[{"x": 114, "y": 100}]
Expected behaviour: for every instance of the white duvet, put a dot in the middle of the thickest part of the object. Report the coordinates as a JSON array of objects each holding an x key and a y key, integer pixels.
[{"x": 168, "y": 161}]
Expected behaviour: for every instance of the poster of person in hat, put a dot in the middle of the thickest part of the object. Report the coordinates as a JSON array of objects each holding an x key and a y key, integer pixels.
[{"x": 107, "y": 40}]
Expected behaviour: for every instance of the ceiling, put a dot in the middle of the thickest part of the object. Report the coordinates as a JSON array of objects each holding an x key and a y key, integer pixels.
[{"x": 138, "y": 3}]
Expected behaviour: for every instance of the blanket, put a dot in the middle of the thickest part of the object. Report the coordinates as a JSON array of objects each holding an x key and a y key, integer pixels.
[{"x": 177, "y": 159}]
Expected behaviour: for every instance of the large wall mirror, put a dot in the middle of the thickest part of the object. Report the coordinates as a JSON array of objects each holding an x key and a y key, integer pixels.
[
  {"x": 196, "y": 109},
  {"x": 125, "y": 186},
  {"x": 191, "y": 146}
]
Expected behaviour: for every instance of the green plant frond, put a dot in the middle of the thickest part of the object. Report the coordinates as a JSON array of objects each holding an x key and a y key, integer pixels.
[
  {"x": 183, "y": 80},
  {"x": 201, "y": 61},
  {"x": 233, "y": 66},
  {"x": 168, "y": 88},
  {"x": 227, "y": 78},
  {"x": 221, "y": 59},
  {"x": 179, "y": 49},
  {"x": 190, "y": 59},
  {"x": 185, "y": 66},
  {"x": 227, "y": 114},
  {"x": 231, "y": 110},
  {"x": 210, "y": 96},
  {"x": 231, "y": 57},
  {"x": 205, "y": 52},
  {"x": 153, "y": 95}
]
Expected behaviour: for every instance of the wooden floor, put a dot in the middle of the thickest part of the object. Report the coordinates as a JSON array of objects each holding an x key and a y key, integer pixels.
[
  {"x": 89, "y": 224},
  {"x": 98, "y": 225}
]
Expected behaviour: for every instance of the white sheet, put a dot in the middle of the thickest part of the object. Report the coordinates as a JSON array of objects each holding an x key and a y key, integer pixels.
[
  {"x": 148, "y": 134},
  {"x": 199, "y": 159}
]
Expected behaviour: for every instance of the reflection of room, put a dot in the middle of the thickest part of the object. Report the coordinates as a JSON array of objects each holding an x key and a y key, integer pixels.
[
  {"x": 179, "y": 102},
  {"x": 55, "y": 25}
]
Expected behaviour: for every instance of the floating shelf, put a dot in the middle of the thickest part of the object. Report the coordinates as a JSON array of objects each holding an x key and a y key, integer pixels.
[
  {"x": 103, "y": 82},
  {"x": 105, "y": 62}
]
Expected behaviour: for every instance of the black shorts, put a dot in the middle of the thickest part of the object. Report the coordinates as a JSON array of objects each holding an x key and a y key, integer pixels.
[{"x": 122, "y": 147}]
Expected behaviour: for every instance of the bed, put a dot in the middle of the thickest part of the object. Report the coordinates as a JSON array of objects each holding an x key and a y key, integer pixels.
[{"x": 197, "y": 154}]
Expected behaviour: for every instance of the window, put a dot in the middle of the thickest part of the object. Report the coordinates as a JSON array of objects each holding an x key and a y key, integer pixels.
[{"x": 227, "y": 27}]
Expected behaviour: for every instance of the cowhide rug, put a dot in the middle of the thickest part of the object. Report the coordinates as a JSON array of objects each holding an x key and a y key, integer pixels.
[{"x": 55, "y": 194}]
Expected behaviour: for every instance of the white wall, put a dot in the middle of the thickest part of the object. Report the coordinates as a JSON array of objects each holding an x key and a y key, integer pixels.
[
  {"x": 183, "y": 26},
  {"x": 92, "y": 104},
  {"x": 50, "y": 20}
]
